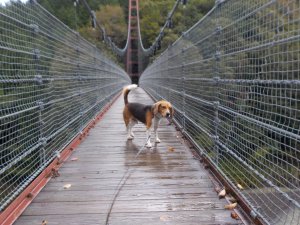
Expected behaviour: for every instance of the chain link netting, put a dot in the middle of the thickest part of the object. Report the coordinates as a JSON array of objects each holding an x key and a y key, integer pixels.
[
  {"x": 234, "y": 79},
  {"x": 52, "y": 84}
]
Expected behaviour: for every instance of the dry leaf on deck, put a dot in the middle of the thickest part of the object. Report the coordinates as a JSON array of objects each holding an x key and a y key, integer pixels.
[
  {"x": 164, "y": 218},
  {"x": 234, "y": 216},
  {"x": 171, "y": 149},
  {"x": 222, "y": 193},
  {"x": 44, "y": 222},
  {"x": 67, "y": 186},
  {"x": 230, "y": 206},
  {"x": 55, "y": 173},
  {"x": 240, "y": 187}
]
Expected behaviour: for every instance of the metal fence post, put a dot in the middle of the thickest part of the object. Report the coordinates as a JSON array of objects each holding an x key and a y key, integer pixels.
[
  {"x": 95, "y": 68},
  {"x": 79, "y": 77},
  {"x": 216, "y": 104},
  {"x": 39, "y": 82},
  {"x": 216, "y": 78},
  {"x": 168, "y": 73},
  {"x": 183, "y": 90}
]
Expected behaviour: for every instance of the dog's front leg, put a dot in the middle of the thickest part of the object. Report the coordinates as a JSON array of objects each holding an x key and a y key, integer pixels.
[
  {"x": 156, "y": 123},
  {"x": 148, "y": 133}
]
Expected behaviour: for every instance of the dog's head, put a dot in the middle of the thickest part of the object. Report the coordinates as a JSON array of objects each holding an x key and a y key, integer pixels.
[{"x": 163, "y": 108}]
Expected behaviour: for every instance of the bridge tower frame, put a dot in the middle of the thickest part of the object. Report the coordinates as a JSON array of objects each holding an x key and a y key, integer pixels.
[{"x": 132, "y": 59}]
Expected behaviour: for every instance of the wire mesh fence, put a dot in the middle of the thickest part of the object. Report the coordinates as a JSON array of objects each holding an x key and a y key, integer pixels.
[
  {"x": 52, "y": 83},
  {"x": 234, "y": 81}
]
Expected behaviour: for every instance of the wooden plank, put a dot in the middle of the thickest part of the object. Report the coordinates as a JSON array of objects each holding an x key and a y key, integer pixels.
[
  {"x": 164, "y": 187},
  {"x": 157, "y": 205},
  {"x": 100, "y": 185},
  {"x": 125, "y": 194},
  {"x": 214, "y": 217}
]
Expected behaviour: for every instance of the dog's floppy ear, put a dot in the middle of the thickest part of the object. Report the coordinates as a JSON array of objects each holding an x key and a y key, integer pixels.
[
  {"x": 156, "y": 108},
  {"x": 172, "y": 112}
]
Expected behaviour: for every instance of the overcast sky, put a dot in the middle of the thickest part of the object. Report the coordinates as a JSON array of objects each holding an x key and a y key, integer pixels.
[{"x": 4, "y": 1}]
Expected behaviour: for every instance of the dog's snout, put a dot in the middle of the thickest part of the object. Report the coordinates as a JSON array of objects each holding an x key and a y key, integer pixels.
[{"x": 168, "y": 114}]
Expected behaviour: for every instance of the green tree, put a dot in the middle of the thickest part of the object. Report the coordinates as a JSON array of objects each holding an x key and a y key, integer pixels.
[{"x": 112, "y": 18}]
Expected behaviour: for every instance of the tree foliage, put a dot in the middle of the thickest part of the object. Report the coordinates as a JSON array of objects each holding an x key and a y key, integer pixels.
[
  {"x": 113, "y": 20},
  {"x": 154, "y": 13}
]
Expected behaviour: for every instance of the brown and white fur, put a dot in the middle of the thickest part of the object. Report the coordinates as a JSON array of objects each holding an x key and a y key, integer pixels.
[{"x": 147, "y": 114}]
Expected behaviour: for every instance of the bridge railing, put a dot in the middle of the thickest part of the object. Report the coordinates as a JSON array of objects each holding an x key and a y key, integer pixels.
[
  {"x": 52, "y": 83},
  {"x": 234, "y": 81}
]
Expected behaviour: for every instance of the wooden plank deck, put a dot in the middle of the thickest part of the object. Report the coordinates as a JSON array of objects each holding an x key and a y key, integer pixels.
[{"x": 164, "y": 187}]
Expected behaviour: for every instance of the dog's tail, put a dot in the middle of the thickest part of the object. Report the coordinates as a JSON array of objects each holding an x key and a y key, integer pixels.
[{"x": 126, "y": 91}]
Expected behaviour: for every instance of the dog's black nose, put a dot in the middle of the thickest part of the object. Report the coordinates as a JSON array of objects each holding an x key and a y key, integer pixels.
[{"x": 168, "y": 114}]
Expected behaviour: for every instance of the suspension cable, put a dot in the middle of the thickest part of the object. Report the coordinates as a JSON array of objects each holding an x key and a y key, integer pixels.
[
  {"x": 156, "y": 44},
  {"x": 118, "y": 51}
]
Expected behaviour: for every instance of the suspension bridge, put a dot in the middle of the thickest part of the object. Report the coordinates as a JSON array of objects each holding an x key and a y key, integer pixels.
[{"x": 233, "y": 80}]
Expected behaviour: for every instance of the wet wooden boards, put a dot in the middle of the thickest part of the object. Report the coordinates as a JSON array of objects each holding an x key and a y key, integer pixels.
[{"x": 165, "y": 184}]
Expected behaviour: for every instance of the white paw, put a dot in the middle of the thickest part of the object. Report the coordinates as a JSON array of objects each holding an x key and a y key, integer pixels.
[
  {"x": 129, "y": 137},
  {"x": 157, "y": 140},
  {"x": 131, "y": 134},
  {"x": 148, "y": 145}
]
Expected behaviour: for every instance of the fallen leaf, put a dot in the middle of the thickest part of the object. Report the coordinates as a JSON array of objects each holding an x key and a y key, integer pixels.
[
  {"x": 222, "y": 193},
  {"x": 164, "y": 218},
  {"x": 74, "y": 159},
  {"x": 67, "y": 186},
  {"x": 30, "y": 195},
  {"x": 171, "y": 149},
  {"x": 55, "y": 173},
  {"x": 240, "y": 187},
  {"x": 44, "y": 222},
  {"x": 230, "y": 206},
  {"x": 235, "y": 216}
]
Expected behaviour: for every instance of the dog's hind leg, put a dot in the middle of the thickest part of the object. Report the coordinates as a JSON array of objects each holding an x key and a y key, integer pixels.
[
  {"x": 130, "y": 125},
  {"x": 127, "y": 120},
  {"x": 133, "y": 123}
]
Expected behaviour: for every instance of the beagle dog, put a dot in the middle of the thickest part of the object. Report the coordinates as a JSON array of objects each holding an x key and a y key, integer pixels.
[{"x": 147, "y": 114}]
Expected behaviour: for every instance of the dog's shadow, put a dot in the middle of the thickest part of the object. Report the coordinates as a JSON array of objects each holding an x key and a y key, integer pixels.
[{"x": 141, "y": 156}]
